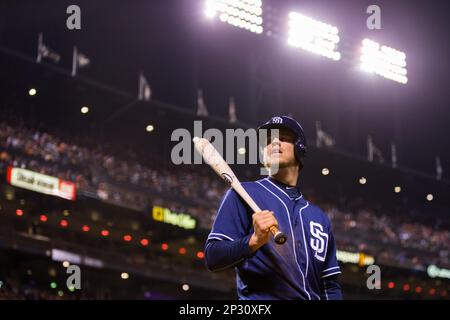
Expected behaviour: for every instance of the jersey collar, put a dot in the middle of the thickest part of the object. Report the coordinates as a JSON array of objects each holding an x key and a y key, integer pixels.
[{"x": 292, "y": 193}]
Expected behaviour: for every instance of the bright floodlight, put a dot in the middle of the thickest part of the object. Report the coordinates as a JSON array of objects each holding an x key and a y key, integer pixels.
[
  {"x": 314, "y": 36},
  {"x": 245, "y": 14},
  {"x": 384, "y": 61},
  {"x": 185, "y": 287},
  {"x": 32, "y": 92}
]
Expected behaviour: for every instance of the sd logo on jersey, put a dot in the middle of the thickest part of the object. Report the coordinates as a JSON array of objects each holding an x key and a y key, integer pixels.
[{"x": 319, "y": 240}]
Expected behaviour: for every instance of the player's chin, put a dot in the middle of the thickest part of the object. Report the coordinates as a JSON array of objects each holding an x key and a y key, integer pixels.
[
  {"x": 284, "y": 164},
  {"x": 279, "y": 163}
]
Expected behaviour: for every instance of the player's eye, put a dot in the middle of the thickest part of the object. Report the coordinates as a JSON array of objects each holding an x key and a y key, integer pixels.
[
  {"x": 281, "y": 137},
  {"x": 286, "y": 138}
]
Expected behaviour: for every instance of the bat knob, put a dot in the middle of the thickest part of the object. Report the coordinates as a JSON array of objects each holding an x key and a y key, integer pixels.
[{"x": 280, "y": 237}]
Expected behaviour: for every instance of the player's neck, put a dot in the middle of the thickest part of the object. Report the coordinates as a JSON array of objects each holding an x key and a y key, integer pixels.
[{"x": 288, "y": 175}]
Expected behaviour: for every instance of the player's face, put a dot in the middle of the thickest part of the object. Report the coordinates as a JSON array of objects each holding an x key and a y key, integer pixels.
[{"x": 280, "y": 150}]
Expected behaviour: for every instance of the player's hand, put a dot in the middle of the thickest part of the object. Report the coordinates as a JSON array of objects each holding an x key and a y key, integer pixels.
[{"x": 262, "y": 221}]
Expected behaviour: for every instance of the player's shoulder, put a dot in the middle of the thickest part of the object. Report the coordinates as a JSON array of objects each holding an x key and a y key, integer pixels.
[
  {"x": 316, "y": 212},
  {"x": 251, "y": 185}
]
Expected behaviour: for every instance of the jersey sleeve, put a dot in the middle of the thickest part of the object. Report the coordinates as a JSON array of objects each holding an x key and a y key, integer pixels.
[
  {"x": 330, "y": 266},
  {"x": 227, "y": 244},
  {"x": 232, "y": 221},
  {"x": 331, "y": 290}
]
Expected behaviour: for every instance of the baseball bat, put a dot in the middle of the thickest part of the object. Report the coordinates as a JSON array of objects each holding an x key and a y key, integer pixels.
[{"x": 218, "y": 164}]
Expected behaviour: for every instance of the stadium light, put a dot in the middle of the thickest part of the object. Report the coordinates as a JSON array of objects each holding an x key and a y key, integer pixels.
[
  {"x": 185, "y": 287},
  {"x": 430, "y": 197},
  {"x": 149, "y": 128},
  {"x": 385, "y": 61},
  {"x": 325, "y": 171},
  {"x": 52, "y": 272},
  {"x": 241, "y": 150},
  {"x": 124, "y": 275},
  {"x": 397, "y": 189},
  {"x": 362, "y": 180},
  {"x": 95, "y": 216},
  {"x": 313, "y": 36},
  {"x": 84, "y": 110},
  {"x": 244, "y": 14},
  {"x": 32, "y": 92},
  {"x": 66, "y": 264},
  {"x": 9, "y": 195}
]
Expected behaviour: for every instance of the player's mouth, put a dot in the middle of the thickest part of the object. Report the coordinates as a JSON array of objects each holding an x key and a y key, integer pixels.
[{"x": 276, "y": 151}]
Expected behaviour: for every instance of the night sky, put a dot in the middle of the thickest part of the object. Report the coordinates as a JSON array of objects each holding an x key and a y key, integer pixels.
[{"x": 180, "y": 50}]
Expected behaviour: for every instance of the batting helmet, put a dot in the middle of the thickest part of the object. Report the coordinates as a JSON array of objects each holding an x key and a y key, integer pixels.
[{"x": 292, "y": 125}]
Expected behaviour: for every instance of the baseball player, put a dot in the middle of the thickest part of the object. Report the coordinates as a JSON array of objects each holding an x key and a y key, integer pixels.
[{"x": 305, "y": 267}]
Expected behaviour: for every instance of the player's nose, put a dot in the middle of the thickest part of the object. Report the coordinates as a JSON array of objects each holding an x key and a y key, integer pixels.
[{"x": 275, "y": 141}]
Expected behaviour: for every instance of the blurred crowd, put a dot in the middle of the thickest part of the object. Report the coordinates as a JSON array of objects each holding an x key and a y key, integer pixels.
[
  {"x": 189, "y": 190},
  {"x": 45, "y": 153},
  {"x": 387, "y": 237},
  {"x": 13, "y": 289}
]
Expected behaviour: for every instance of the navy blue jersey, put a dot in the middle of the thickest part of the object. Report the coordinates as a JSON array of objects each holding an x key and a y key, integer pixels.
[{"x": 305, "y": 267}]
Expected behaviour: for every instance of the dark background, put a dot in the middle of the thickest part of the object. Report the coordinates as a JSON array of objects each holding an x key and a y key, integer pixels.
[{"x": 180, "y": 50}]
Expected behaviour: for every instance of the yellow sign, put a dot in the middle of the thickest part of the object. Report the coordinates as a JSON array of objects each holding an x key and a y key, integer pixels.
[
  {"x": 434, "y": 271},
  {"x": 355, "y": 257},
  {"x": 178, "y": 219}
]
